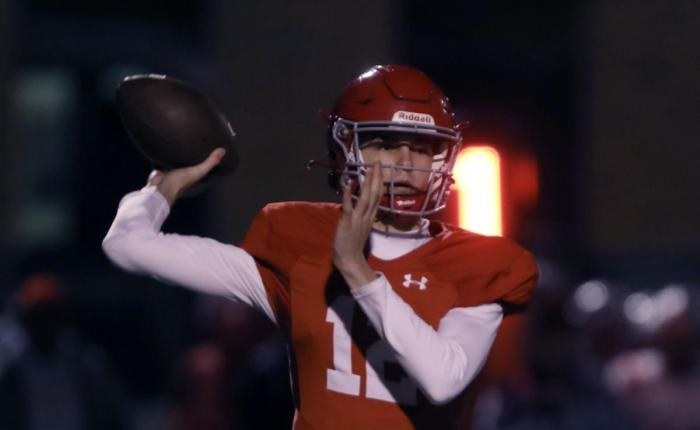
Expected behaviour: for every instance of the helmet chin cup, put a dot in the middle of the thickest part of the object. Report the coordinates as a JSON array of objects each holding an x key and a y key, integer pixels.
[{"x": 407, "y": 204}]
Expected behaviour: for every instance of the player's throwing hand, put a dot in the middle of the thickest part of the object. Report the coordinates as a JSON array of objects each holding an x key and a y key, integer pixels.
[
  {"x": 174, "y": 183},
  {"x": 354, "y": 227}
]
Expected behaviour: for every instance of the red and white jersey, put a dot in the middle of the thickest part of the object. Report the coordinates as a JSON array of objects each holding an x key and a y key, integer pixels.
[{"x": 344, "y": 375}]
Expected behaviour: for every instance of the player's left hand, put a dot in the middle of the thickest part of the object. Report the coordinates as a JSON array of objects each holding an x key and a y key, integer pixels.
[{"x": 354, "y": 227}]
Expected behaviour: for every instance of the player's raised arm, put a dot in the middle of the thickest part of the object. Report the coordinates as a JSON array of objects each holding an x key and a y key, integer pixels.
[
  {"x": 134, "y": 242},
  {"x": 175, "y": 183}
]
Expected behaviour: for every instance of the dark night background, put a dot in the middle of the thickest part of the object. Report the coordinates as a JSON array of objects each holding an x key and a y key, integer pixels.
[{"x": 603, "y": 94}]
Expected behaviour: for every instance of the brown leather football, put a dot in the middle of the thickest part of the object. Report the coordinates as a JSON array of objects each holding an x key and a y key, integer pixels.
[{"x": 173, "y": 124}]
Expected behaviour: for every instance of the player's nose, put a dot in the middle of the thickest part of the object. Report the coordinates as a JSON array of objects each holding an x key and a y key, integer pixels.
[{"x": 403, "y": 156}]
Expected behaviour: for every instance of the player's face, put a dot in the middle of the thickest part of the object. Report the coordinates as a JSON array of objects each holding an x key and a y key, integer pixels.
[{"x": 401, "y": 149}]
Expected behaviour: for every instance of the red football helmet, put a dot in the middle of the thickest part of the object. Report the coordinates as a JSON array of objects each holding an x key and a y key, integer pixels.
[{"x": 394, "y": 99}]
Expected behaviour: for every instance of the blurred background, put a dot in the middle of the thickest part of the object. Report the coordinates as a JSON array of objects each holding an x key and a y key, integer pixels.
[{"x": 591, "y": 106}]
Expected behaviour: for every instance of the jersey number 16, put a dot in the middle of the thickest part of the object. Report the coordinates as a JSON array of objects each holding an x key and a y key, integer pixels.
[{"x": 341, "y": 379}]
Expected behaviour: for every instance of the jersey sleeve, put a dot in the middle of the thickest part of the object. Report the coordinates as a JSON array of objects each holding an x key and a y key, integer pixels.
[
  {"x": 512, "y": 285},
  {"x": 272, "y": 264},
  {"x": 516, "y": 285}
]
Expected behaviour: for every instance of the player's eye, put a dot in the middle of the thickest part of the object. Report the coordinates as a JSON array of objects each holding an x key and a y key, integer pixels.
[
  {"x": 425, "y": 148},
  {"x": 388, "y": 145},
  {"x": 374, "y": 142}
]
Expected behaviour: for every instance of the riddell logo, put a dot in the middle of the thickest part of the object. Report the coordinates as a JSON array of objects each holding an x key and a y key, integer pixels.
[{"x": 414, "y": 117}]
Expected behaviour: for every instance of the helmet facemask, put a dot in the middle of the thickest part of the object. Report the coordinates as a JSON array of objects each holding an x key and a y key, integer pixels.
[{"x": 347, "y": 138}]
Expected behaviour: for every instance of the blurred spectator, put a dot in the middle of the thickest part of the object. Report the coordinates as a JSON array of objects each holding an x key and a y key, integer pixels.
[
  {"x": 53, "y": 381},
  {"x": 203, "y": 393},
  {"x": 560, "y": 385},
  {"x": 659, "y": 384},
  {"x": 235, "y": 379}
]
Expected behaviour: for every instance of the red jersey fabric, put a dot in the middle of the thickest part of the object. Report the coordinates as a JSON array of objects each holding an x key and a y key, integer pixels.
[{"x": 343, "y": 374}]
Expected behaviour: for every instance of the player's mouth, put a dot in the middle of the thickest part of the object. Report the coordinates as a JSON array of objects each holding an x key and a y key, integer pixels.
[{"x": 402, "y": 188}]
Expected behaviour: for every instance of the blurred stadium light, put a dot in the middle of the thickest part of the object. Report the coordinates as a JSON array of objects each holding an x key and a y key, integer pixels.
[{"x": 477, "y": 176}]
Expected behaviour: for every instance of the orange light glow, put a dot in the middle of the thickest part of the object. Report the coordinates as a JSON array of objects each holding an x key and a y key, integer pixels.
[{"x": 477, "y": 176}]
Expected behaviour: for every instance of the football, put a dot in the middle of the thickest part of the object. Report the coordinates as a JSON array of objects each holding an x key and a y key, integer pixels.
[{"x": 174, "y": 125}]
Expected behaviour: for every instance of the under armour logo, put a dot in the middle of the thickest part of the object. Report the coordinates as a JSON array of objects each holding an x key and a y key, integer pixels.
[{"x": 408, "y": 281}]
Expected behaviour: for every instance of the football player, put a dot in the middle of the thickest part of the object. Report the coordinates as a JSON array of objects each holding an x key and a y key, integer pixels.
[{"x": 389, "y": 315}]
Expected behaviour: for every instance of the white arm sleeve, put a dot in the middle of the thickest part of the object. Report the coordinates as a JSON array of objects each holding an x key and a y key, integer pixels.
[
  {"x": 442, "y": 362},
  {"x": 134, "y": 243}
]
